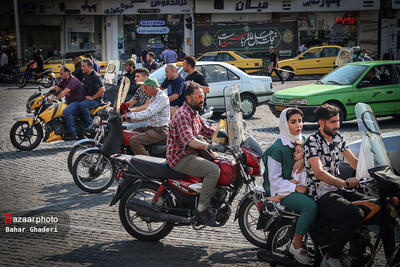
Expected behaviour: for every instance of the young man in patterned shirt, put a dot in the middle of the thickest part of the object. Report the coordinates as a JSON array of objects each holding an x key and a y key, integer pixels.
[
  {"x": 156, "y": 116},
  {"x": 322, "y": 152}
]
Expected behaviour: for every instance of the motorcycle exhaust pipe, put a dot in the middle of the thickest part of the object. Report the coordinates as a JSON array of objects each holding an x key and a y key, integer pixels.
[
  {"x": 267, "y": 256},
  {"x": 146, "y": 209}
]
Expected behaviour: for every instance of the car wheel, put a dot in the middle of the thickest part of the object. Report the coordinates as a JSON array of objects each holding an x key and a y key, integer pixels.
[
  {"x": 286, "y": 75},
  {"x": 249, "y": 105}
]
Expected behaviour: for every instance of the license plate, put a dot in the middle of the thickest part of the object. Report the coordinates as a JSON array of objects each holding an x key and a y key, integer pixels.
[{"x": 279, "y": 108}]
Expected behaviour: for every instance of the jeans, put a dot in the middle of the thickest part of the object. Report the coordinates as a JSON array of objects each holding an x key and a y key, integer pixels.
[
  {"x": 337, "y": 206},
  {"x": 84, "y": 107},
  {"x": 69, "y": 112}
]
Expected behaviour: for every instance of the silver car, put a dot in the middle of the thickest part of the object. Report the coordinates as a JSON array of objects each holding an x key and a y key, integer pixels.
[{"x": 254, "y": 90}]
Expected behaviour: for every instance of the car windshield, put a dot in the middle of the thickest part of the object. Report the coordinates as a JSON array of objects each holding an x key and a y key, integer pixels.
[
  {"x": 241, "y": 55},
  {"x": 345, "y": 75}
]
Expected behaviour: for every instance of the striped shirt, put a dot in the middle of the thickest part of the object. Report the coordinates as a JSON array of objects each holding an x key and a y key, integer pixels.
[{"x": 157, "y": 114}]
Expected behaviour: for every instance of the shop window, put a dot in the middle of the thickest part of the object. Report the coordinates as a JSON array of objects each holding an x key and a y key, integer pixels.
[
  {"x": 221, "y": 57},
  {"x": 330, "y": 52}
]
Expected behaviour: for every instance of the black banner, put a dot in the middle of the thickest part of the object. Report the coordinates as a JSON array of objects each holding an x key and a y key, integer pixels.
[{"x": 282, "y": 36}]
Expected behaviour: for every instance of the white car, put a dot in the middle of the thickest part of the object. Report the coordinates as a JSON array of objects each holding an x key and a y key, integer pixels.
[{"x": 254, "y": 90}]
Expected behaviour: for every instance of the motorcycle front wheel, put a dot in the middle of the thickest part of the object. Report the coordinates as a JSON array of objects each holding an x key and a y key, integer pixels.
[
  {"x": 93, "y": 171},
  {"x": 21, "y": 80},
  {"x": 141, "y": 227},
  {"x": 75, "y": 151},
  {"x": 25, "y": 137},
  {"x": 47, "y": 81},
  {"x": 395, "y": 258},
  {"x": 248, "y": 219},
  {"x": 280, "y": 238}
]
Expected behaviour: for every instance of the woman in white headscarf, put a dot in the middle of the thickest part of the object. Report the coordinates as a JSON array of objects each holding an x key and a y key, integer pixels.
[{"x": 279, "y": 162}]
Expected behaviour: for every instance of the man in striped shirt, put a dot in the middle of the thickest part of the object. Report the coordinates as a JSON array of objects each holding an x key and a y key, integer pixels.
[{"x": 156, "y": 117}]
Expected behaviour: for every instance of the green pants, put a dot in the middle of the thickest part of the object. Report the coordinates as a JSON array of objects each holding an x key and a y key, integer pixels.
[{"x": 305, "y": 206}]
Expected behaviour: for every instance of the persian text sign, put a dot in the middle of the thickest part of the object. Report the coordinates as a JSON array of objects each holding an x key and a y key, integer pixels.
[
  {"x": 152, "y": 30},
  {"x": 247, "y": 38}
]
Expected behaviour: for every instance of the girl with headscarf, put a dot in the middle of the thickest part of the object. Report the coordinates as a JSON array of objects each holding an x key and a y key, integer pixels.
[{"x": 279, "y": 162}]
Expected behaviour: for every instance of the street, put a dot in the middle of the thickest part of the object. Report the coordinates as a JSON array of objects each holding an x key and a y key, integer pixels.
[{"x": 37, "y": 183}]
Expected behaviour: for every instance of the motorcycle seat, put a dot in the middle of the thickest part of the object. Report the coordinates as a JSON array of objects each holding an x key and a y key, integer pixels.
[{"x": 155, "y": 167}]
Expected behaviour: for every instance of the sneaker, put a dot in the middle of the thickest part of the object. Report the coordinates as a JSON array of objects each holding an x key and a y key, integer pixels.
[
  {"x": 204, "y": 217},
  {"x": 330, "y": 262},
  {"x": 282, "y": 82},
  {"x": 300, "y": 255}
]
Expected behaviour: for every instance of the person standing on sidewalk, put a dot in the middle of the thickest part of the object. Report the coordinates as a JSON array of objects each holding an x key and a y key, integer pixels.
[{"x": 273, "y": 65}]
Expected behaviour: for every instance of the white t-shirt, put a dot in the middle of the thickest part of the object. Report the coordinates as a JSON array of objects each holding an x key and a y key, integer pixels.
[{"x": 3, "y": 60}]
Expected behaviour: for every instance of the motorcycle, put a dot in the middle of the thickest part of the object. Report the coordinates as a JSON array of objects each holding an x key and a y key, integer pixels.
[
  {"x": 9, "y": 74},
  {"x": 46, "y": 78},
  {"x": 153, "y": 199},
  {"x": 47, "y": 119},
  {"x": 382, "y": 206}
]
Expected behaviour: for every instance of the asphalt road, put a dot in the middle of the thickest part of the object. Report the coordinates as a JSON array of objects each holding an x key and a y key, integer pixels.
[{"x": 89, "y": 233}]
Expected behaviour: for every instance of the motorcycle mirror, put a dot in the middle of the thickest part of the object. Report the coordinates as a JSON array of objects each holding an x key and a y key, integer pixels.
[{"x": 222, "y": 134}]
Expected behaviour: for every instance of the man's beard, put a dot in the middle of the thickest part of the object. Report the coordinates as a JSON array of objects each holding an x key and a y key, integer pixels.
[
  {"x": 329, "y": 132},
  {"x": 197, "y": 107}
]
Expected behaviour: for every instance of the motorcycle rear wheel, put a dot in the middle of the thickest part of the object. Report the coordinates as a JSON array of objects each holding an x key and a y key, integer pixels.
[
  {"x": 21, "y": 80},
  {"x": 280, "y": 238},
  {"x": 21, "y": 132},
  {"x": 248, "y": 218},
  {"x": 49, "y": 81},
  {"x": 76, "y": 150},
  {"x": 93, "y": 171},
  {"x": 395, "y": 258},
  {"x": 135, "y": 224}
]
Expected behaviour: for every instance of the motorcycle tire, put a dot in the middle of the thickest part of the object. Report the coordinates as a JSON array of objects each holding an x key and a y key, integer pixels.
[
  {"x": 394, "y": 260},
  {"x": 21, "y": 80},
  {"x": 49, "y": 82},
  {"x": 280, "y": 238},
  {"x": 126, "y": 216},
  {"x": 18, "y": 133},
  {"x": 76, "y": 150},
  {"x": 248, "y": 215},
  {"x": 93, "y": 163}
]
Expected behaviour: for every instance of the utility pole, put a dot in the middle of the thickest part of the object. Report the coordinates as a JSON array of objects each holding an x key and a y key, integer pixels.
[{"x": 18, "y": 33}]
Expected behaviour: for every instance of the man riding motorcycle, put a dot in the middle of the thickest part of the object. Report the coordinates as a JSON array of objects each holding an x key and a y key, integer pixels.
[
  {"x": 38, "y": 59},
  {"x": 78, "y": 68},
  {"x": 322, "y": 151},
  {"x": 183, "y": 141},
  {"x": 72, "y": 89},
  {"x": 156, "y": 116},
  {"x": 94, "y": 91}
]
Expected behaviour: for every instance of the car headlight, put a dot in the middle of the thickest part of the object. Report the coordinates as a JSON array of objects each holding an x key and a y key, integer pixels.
[
  {"x": 298, "y": 101},
  {"x": 272, "y": 98}
]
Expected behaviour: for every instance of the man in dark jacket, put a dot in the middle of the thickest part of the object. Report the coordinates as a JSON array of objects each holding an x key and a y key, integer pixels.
[{"x": 78, "y": 68}]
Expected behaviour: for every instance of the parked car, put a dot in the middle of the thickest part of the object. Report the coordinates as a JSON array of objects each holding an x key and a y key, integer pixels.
[
  {"x": 316, "y": 60},
  {"x": 243, "y": 62},
  {"x": 345, "y": 87},
  {"x": 57, "y": 61},
  {"x": 254, "y": 90}
]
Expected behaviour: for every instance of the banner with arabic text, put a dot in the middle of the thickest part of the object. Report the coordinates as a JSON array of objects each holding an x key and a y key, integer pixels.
[{"x": 252, "y": 38}]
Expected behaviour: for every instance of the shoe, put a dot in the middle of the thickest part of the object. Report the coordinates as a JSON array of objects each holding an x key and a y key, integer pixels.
[
  {"x": 330, "y": 262},
  {"x": 71, "y": 137},
  {"x": 300, "y": 255},
  {"x": 204, "y": 217},
  {"x": 282, "y": 82}
]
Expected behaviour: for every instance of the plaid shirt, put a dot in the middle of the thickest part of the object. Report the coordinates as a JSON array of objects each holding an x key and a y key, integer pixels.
[
  {"x": 186, "y": 125},
  {"x": 157, "y": 114}
]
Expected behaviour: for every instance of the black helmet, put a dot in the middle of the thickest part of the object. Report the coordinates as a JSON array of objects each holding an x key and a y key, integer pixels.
[{"x": 38, "y": 51}]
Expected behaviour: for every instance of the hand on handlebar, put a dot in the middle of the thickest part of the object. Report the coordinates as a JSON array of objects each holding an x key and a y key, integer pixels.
[{"x": 352, "y": 182}]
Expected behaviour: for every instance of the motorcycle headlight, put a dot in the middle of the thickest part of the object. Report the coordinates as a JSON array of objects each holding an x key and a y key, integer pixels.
[
  {"x": 262, "y": 167},
  {"x": 298, "y": 101},
  {"x": 97, "y": 120}
]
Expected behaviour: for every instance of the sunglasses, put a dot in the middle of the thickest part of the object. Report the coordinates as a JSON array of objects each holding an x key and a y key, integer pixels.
[{"x": 198, "y": 97}]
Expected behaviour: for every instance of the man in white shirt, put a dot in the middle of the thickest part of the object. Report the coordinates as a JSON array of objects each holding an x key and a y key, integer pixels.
[
  {"x": 156, "y": 116},
  {"x": 3, "y": 61}
]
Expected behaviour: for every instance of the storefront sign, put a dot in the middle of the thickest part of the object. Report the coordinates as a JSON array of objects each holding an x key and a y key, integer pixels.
[
  {"x": 321, "y": 3},
  {"x": 79, "y": 24},
  {"x": 246, "y": 5},
  {"x": 152, "y": 30},
  {"x": 247, "y": 38},
  {"x": 152, "y": 22},
  {"x": 147, "y": 7},
  {"x": 348, "y": 19}
]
